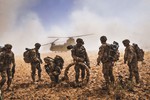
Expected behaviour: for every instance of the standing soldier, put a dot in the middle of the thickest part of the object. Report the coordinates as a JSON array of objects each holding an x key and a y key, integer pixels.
[
  {"x": 107, "y": 64},
  {"x": 131, "y": 58},
  {"x": 79, "y": 54},
  {"x": 8, "y": 65},
  {"x": 2, "y": 68},
  {"x": 35, "y": 63}
]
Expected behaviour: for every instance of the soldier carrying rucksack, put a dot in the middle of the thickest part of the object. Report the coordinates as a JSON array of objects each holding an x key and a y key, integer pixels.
[
  {"x": 32, "y": 56},
  {"x": 130, "y": 57},
  {"x": 53, "y": 67},
  {"x": 106, "y": 55}
]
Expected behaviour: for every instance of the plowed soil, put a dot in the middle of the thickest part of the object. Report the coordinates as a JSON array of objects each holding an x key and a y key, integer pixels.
[{"x": 23, "y": 88}]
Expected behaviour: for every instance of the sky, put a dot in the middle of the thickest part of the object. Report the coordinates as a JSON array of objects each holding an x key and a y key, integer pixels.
[{"x": 25, "y": 22}]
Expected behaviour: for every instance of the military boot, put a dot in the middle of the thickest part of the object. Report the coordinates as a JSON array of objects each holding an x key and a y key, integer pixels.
[{"x": 33, "y": 78}]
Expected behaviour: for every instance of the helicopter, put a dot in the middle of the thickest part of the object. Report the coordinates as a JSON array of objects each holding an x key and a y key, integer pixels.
[{"x": 63, "y": 47}]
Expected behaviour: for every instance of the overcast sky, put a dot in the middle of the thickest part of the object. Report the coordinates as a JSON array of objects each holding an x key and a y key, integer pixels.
[{"x": 25, "y": 22}]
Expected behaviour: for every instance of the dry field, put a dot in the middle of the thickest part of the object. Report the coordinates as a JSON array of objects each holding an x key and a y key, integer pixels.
[{"x": 23, "y": 89}]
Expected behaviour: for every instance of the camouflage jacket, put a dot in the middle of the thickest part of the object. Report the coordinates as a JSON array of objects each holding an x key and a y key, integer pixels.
[
  {"x": 35, "y": 55},
  {"x": 130, "y": 54},
  {"x": 52, "y": 69},
  {"x": 80, "y": 54},
  {"x": 6, "y": 59},
  {"x": 103, "y": 53}
]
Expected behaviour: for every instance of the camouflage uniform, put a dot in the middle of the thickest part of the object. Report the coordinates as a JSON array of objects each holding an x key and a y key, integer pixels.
[
  {"x": 131, "y": 58},
  {"x": 107, "y": 65},
  {"x": 36, "y": 61},
  {"x": 53, "y": 67},
  {"x": 79, "y": 54},
  {"x": 2, "y": 69},
  {"x": 8, "y": 65},
  {"x": 53, "y": 71}
]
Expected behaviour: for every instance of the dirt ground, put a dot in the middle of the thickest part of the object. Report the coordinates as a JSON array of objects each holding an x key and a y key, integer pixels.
[{"x": 23, "y": 89}]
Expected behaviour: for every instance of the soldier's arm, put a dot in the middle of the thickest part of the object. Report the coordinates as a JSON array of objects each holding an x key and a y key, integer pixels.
[
  {"x": 100, "y": 54},
  {"x": 87, "y": 59},
  {"x": 131, "y": 54},
  {"x": 125, "y": 56},
  {"x": 1, "y": 58},
  {"x": 13, "y": 59},
  {"x": 73, "y": 54},
  {"x": 40, "y": 58}
]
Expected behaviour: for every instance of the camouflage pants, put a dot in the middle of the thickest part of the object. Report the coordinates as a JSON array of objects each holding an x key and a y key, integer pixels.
[
  {"x": 54, "y": 78},
  {"x": 107, "y": 71},
  {"x": 9, "y": 76},
  {"x": 35, "y": 66},
  {"x": 77, "y": 70},
  {"x": 133, "y": 69},
  {"x": 3, "y": 80}
]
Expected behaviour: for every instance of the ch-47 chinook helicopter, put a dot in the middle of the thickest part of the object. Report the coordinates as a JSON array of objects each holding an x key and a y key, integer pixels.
[{"x": 63, "y": 47}]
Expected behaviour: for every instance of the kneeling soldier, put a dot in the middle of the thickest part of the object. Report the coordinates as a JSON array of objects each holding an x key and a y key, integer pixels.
[{"x": 53, "y": 67}]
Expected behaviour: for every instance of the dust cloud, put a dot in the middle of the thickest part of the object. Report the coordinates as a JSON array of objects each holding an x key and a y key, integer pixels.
[{"x": 22, "y": 27}]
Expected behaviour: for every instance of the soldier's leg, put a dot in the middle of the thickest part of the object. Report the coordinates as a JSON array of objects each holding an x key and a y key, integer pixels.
[
  {"x": 39, "y": 71},
  {"x": 77, "y": 70},
  {"x": 136, "y": 72},
  {"x": 130, "y": 71},
  {"x": 33, "y": 69},
  {"x": 106, "y": 73},
  {"x": 56, "y": 78},
  {"x": 3, "y": 80},
  {"x": 82, "y": 72},
  {"x": 112, "y": 79},
  {"x": 9, "y": 76}
]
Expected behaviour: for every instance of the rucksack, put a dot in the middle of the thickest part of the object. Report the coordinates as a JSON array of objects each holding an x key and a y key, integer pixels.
[
  {"x": 58, "y": 60},
  {"x": 27, "y": 55},
  {"x": 139, "y": 52},
  {"x": 113, "y": 52}
]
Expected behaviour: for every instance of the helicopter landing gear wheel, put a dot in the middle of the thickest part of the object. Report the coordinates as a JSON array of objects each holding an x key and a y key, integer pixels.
[{"x": 86, "y": 69}]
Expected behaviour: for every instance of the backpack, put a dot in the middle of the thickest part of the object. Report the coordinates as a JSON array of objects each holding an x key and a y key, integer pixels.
[
  {"x": 26, "y": 55},
  {"x": 59, "y": 61},
  {"x": 139, "y": 52},
  {"x": 113, "y": 52}
]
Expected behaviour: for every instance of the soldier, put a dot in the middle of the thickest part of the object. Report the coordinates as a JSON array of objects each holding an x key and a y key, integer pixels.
[
  {"x": 35, "y": 63},
  {"x": 2, "y": 68},
  {"x": 53, "y": 67},
  {"x": 131, "y": 58},
  {"x": 8, "y": 64},
  {"x": 79, "y": 54},
  {"x": 107, "y": 64}
]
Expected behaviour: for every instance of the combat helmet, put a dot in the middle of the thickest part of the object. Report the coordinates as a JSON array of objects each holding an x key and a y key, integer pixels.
[
  {"x": 79, "y": 40},
  {"x": 126, "y": 41},
  {"x": 8, "y": 46},
  {"x": 103, "y": 38},
  {"x": 37, "y": 45}
]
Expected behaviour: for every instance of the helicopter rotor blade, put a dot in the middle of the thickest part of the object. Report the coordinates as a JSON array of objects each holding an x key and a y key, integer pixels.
[
  {"x": 71, "y": 36},
  {"x": 51, "y": 42},
  {"x": 46, "y": 44},
  {"x": 82, "y": 35},
  {"x": 55, "y": 40},
  {"x": 57, "y": 37}
]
